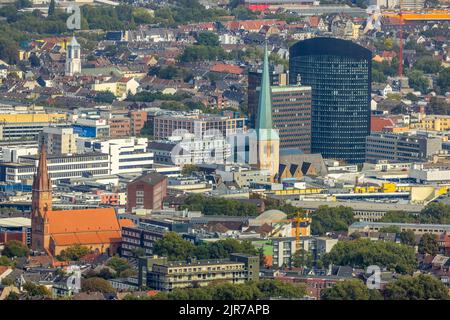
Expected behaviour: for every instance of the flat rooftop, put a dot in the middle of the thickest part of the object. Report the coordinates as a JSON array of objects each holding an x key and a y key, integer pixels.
[{"x": 15, "y": 222}]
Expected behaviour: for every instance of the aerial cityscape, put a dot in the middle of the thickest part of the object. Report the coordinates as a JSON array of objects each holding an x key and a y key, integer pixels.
[{"x": 205, "y": 150}]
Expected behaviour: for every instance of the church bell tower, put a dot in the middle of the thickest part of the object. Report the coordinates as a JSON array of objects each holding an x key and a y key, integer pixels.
[{"x": 41, "y": 203}]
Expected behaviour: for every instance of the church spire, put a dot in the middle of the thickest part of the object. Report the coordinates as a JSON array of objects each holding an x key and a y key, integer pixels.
[
  {"x": 41, "y": 203},
  {"x": 42, "y": 180},
  {"x": 264, "y": 120}
]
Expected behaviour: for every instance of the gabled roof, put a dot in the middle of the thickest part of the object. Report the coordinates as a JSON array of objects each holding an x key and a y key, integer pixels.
[{"x": 85, "y": 220}]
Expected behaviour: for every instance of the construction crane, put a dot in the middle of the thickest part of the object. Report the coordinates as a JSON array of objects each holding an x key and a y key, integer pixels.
[
  {"x": 400, "y": 53},
  {"x": 298, "y": 220}
]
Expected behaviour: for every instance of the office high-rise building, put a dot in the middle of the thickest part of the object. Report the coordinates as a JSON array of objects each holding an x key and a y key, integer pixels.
[
  {"x": 277, "y": 77},
  {"x": 291, "y": 114},
  {"x": 339, "y": 73}
]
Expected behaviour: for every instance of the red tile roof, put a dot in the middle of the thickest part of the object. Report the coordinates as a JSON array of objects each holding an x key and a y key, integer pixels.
[
  {"x": 377, "y": 124},
  {"x": 227, "y": 68}
]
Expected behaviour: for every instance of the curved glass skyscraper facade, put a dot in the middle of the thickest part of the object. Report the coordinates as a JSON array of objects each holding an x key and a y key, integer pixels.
[{"x": 339, "y": 72}]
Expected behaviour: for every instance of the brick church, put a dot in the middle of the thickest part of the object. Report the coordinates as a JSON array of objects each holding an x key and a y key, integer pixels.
[{"x": 53, "y": 231}]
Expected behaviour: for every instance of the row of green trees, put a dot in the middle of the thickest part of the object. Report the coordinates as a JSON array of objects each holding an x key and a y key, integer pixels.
[
  {"x": 421, "y": 287},
  {"x": 361, "y": 253},
  {"x": 252, "y": 290},
  {"x": 176, "y": 248},
  {"x": 434, "y": 213},
  {"x": 219, "y": 206}
]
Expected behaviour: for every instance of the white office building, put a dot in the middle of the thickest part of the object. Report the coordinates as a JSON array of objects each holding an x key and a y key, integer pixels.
[
  {"x": 59, "y": 167},
  {"x": 127, "y": 155}
]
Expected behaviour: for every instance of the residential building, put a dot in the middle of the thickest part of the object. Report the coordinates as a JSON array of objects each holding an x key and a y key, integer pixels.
[
  {"x": 433, "y": 123},
  {"x": 139, "y": 240},
  {"x": 339, "y": 73},
  {"x": 146, "y": 192},
  {"x": 401, "y": 147},
  {"x": 198, "y": 124},
  {"x": 160, "y": 274},
  {"x": 137, "y": 121},
  {"x": 59, "y": 140},
  {"x": 119, "y": 126},
  {"x": 189, "y": 149}
]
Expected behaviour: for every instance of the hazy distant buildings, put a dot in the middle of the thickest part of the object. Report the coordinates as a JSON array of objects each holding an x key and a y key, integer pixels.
[{"x": 339, "y": 73}]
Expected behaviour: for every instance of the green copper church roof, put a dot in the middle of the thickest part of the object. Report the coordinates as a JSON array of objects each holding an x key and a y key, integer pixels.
[{"x": 264, "y": 119}]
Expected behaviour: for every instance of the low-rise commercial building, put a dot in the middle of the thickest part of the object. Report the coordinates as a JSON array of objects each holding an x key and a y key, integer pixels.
[
  {"x": 417, "y": 228},
  {"x": 401, "y": 147}
]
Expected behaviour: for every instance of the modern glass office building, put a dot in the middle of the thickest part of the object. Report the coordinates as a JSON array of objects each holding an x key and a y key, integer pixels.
[{"x": 339, "y": 72}]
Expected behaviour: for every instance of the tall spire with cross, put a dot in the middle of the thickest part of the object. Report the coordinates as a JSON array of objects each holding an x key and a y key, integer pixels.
[{"x": 268, "y": 139}]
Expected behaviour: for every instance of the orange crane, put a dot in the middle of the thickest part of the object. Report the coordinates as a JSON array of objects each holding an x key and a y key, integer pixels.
[
  {"x": 299, "y": 220},
  {"x": 400, "y": 53}
]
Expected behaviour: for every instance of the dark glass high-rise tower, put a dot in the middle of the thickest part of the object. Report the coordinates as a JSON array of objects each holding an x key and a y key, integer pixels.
[{"x": 339, "y": 72}]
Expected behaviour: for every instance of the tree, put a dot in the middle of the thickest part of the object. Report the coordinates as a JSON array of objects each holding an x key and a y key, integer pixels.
[
  {"x": 421, "y": 287},
  {"x": 390, "y": 229},
  {"x": 303, "y": 258},
  {"x": 173, "y": 247},
  {"x": 353, "y": 289},
  {"x": 118, "y": 264},
  {"x": 13, "y": 296},
  {"x": 105, "y": 97},
  {"x": 326, "y": 219},
  {"x": 398, "y": 216},
  {"x": 443, "y": 80},
  {"x": 428, "y": 244},
  {"x": 34, "y": 61},
  {"x": 428, "y": 64},
  {"x": 5, "y": 261},
  {"x": 104, "y": 273},
  {"x": 438, "y": 213},
  {"x": 34, "y": 290},
  {"x": 408, "y": 238},
  {"x": 219, "y": 206},
  {"x": 361, "y": 253},
  {"x": 418, "y": 81},
  {"x": 14, "y": 249},
  {"x": 51, "y": 8},
  {"x": 208, "y": 38},
  {"x": 188, "y": 169},
  {"x": 73, "y": 253},
  {"x": 96, "y": 285}
]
